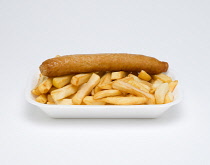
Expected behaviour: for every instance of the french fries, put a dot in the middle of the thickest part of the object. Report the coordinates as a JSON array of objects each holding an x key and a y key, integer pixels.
[
  {"x": 89, "y": 100},
  {"x": 105, "y": 81},
  {"x": 138, "y": 85},
  {"x": 85, "y": 90},
  {"x": 50, "y": 99},
  {"x": 50, "y": 103},
  {"x": 162, "y": 77},
  {"x": 60, "y": 82},
  {"x": 70, "y": 97},
  {"x": 125, "y": 100},
  {"x": 144, "y": 83},
  {"x": 107, "y": 93},
  {"x": 169, "y": 97},
  {"x": 45, "y": 86},
  {"x": 97, "y": 89},
  {"x": 172, "y": 85},
  {"x": 52, "y": 89},
  {"x": 92, "y": 92},
  {"x": 161, "y": 92},
  {"x": 144, "y": 76},
  {"x": 125, "y": 87},
  {"x": 155, "y": 84},
  {"x": 42, "y": 98},
  {"x": 36, "y": 91},
  {"x": 105, "y": 88},
  {"x": 64, "y": 102},
  {"x": 118, "y": 75},
  {"x": 80, "y": 79},
  {"x": 64, "y": 92}
]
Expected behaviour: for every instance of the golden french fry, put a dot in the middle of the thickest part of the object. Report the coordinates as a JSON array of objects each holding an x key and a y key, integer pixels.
[
  {"x": 106, "y": 86},
  {"x": 125, "y": 87},
  {"x": 155, "y": 85},
  {"x": 50, "y": 102},
  {"x": 161, "y": 92},
  {"x": 63, "y": 92},
  {"x": 80, "y": 79},
  {"x": 105, "y": 83},
  {"x": 118, "y": 75},
  {"x": 70, "y": 97},
  {"x": 144, "y": 76},
  {"x": 41, "y": 79},
  {"x": 45, "y": 86},
  {"x": 106, "y": 79},
  {"x": 36, "y": 91},
  {"x": 86, "y": 89},
  {"x": 42, "y": 98},
  {"x": 125, "y": 79},
  {"x": 144, "y": 83},
  {"x": 97, "y": 89},
  {"x": 64, "y": 102},
  {"x": 134, "y": 77},
  {"x": 89, "y": 100},
  {"x": 107, "y": 93},
  {"x": 61, "y": 81},
  {"x": 125, "y": 100},
  {"x": 162, "y": 77},
  {"x": 169, "y": 97},
  {"x": 138, "y": 85},
  {"x": 92, "y": 92},
  {"x": 147, "y": 84},
  {"x": 52, "y": 89},
  {"x": 172, "y": 85},
  {"x": 49, "y": 98}
]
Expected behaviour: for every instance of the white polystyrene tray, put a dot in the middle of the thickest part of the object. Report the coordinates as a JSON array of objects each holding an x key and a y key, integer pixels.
[{"x": 102, "y": 111}]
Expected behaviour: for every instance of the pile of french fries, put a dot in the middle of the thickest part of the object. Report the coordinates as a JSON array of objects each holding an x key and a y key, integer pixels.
[{"x": 106, "y": 88}]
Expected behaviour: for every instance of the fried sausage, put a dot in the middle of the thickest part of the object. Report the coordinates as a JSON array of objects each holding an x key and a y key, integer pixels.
[{"x": 64, "y": 65}]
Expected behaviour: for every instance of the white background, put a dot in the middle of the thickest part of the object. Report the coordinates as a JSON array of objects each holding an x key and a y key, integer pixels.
[{"x": 173, "y": 31}]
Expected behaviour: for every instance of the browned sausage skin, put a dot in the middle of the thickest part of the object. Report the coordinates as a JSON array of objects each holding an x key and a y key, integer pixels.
[{"x": 82, "y": 63}]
